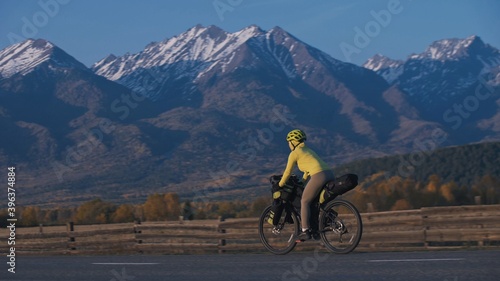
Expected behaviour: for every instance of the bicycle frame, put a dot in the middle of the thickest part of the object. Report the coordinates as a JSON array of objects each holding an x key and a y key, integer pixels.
[{"x": 334, "y": 220}]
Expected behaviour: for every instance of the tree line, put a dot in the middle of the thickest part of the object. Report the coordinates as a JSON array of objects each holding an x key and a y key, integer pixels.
[
  {"x": 377, "y": 192},
  {"x": 463, "y": 165},
  {"x": 157, "y": 207}
]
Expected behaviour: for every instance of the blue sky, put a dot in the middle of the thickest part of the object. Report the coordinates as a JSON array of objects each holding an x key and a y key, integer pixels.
[{"x": 348, "y": 30}]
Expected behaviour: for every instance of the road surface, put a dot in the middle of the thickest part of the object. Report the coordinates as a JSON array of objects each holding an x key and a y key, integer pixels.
[{"x": 470, "y": 265}]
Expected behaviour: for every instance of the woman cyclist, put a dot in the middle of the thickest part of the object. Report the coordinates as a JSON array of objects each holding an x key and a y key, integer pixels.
[{"x": 313, "y": 168}]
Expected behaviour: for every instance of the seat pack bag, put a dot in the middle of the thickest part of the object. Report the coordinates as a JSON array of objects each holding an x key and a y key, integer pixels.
[
  {"x": 338, "y": 187},
  {"x": 345, "y": 183}
]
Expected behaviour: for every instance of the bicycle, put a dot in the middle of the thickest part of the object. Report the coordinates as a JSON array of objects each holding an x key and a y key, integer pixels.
[{"x": 339, "y": 222}]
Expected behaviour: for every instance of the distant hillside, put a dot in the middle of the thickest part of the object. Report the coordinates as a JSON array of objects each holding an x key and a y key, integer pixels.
[
  {"x": 204, "y": 114},
  {"x": 462, "y": 164}
]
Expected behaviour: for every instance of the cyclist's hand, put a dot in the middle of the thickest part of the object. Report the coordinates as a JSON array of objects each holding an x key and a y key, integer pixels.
[{"x": 305, "y": 176}]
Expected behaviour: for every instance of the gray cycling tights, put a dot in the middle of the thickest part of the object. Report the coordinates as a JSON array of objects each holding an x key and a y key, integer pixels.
[{"x": 312, "y": 189}]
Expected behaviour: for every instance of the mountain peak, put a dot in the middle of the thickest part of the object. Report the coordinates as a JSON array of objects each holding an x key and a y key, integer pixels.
[
  {"x": 452, "y": 49},
  {"x": 25, "y": 56},
  {"x": 196, "y": 29},
  {"x": 41, "y": 43},
  {"x": 194, "y": 49},
  {"x": 199, "y": 30},
  {"x": 379, "y": 61},
  {"x": 213, "y": 31},
  {"x": 253, "y": 27},
  {"x": 279, "y": 32},
  {"x": 278, "y": 29},
  {"x": 474, "y": 38},
  {"x": 109, "y": 59},
  {"x": 202, "y": 51},
  {"x": 388, "y": 68},
  {"x": 442, "y": 73},
  {"x": 252, "y": 30}
]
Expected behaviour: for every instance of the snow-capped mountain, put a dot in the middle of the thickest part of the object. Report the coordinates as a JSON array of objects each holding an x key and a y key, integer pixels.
[
  {"x": 219, "y": 106},
  {"x": 444, "y": 72},
  {"x": 198, "y": 44},
  {"x": 204, "y": 50},
  {"x": 196, "y": 67},
  {"x": 22, "y": 58},
  {"x": 386, "y": 67},
  {"x": 458, "y": 49},
  {"x": 215, "y": 96},
  {"x": 185, "y": 57}
]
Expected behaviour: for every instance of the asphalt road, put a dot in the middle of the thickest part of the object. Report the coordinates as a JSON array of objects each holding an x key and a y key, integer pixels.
[{"x": 427, "y": 266}]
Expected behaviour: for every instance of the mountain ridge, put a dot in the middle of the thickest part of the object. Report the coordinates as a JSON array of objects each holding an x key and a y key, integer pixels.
[
  {"x": 454, "y": 82},
  {"x": 212, "y": 124},
  {"x": 25, "y": 56},
  {"x": 465, "y": 60}
]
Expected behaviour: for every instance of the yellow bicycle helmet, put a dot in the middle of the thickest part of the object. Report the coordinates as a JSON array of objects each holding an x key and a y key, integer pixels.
[{"x": 297, "y": 135}]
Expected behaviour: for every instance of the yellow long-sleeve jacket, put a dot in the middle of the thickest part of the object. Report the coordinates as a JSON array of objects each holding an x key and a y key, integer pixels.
[{"x": 306, "y": 160}]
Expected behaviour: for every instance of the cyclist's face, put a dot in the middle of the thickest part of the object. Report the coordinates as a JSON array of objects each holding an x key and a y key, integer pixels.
[{"x": 292, "y": 145}]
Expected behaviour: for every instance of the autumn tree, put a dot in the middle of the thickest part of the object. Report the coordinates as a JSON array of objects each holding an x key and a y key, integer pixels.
[
  {"x": 161, "y": 207},
  {"x": 448, "y": 190},
  {"x": 95, "y": 211},
  {"x": 4, "y": 215},
  {"x": 29, "y": 216},
  {"x": 154, "y": 208},
  {"x": 433, "y": 184},
  {"x": 401, "y": 204},
  {"x": 124, "y": 213},
  {"x": 50, "y": 216},
  {"x": 487, "y": 188},
  {"x": 227, "y": 209},
  {"x": 172, "y": 206},
  {"x": 360, "y": 198},
  {"x": 258, "y": 206},
  {"x": 431, "y": 196},
  {"x": 57, "y": 216}
]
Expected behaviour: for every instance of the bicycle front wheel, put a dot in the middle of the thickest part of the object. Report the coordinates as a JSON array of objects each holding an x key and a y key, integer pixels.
[
  {"x": 279, "y": 239},
  {"x": 340, "y": 226}
]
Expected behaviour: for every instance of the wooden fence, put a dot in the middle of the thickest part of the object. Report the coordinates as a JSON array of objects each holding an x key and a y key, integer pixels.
[{"x": 426, "y": 228}]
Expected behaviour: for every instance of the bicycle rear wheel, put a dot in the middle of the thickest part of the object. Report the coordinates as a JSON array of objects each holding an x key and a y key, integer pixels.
[
  {"x": 340, "y": 226},
  {"x": 279, "y": 239}
]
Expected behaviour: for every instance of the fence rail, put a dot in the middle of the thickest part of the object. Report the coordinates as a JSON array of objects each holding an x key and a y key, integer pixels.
[{"x": 426, "y": 228}]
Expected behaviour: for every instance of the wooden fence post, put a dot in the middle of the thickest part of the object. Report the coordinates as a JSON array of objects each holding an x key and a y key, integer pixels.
[
  {"x": 477, "y": 200},
  {"x": 70, "y": 228},
  {"x": 136, "y": 231},
  {"x": 222, "y": 242},
  {"x": 369, "y": 207},
  {"x": 425, "y": 228}
]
